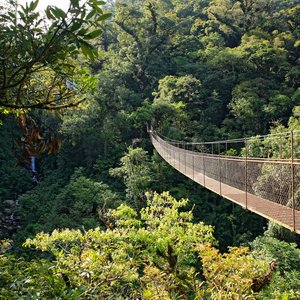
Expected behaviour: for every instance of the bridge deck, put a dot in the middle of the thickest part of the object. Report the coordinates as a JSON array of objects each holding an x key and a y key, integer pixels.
[{"x": 278, "y": 213}]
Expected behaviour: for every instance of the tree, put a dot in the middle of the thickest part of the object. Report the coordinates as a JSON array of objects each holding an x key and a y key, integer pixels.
[
  {"x": 78, "y": 203},
  {"x": 285, "y": 282},
  {"x": 130, "y": 256},
  {"x": 237, "y": 274},
  {"x": 256, "y": 103},
  {"x": 186, "y": 89},
  {"x": 39, "y": 54},
  {"x": 152, "y": 256},
  {"x": 60, "y": 204},
  {"x": 135, "y": 170},
  {"x": 234, "y": 18}
]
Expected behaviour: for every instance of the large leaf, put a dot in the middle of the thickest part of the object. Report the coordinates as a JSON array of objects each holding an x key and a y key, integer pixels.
[
  {"x": 103, "y": 17},
  {"x": 57, "y": 12},
  {"x": 90, "y": 14},
  {"x": 76, "y": 25},
  {"x": 87, "y": 51},
  {"x": 33, "y": 5},
  {"x": 93, "y": 34},
  {"x": 49, "y": 13}
]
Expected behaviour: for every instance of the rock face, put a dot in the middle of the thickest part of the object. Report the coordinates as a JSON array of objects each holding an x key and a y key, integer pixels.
[{"x": 9, "y": 222}]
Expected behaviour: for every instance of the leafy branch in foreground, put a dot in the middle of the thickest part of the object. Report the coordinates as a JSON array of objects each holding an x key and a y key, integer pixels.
[{"x": 39, "y": 54}]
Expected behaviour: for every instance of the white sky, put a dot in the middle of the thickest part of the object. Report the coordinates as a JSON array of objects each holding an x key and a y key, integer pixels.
[{"x": 63, "y": 4}]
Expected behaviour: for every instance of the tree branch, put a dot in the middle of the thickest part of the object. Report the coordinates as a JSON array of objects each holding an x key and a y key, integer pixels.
[{"x": 42, "y": 105}]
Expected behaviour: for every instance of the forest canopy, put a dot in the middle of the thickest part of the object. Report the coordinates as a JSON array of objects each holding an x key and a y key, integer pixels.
[{"x": 87, "y": 207}]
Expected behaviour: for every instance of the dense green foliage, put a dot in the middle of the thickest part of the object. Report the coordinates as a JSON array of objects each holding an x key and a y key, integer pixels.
[
  {"x": 151, "y": 256},
  {"x": 198, "y": 70}
]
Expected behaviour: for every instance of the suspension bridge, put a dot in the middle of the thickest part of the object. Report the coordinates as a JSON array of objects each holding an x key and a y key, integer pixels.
[{"x": 268, "y": 184}]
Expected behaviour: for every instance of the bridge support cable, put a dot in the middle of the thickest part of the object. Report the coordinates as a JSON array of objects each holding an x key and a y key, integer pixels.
[{"x": 268, "y": 186}]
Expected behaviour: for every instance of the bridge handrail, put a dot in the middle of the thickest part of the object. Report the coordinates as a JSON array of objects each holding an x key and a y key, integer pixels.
[
  {"x": 240, "y": 140},
  {"x": 229, "y": 157}
]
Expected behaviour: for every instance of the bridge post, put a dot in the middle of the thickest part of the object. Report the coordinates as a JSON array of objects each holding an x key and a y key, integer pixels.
[
  {"x": 282, "y": 168},
  {"x": 193, "y": 157},
  {"x": 184, "y": 148},
  {"x": 246, "y": 173},
  {"x": 293, "y": 179},
  {"x": 174, "y": 154},
  {"x": 180, "y": 156},
  {"x": 220, "y": 170},
  {"x": 177, "y": 156},
  {"x": 280, "y": 148},
  {"x": 226, "y": 163},
  {"x": 169, "y": 153},
  {"x": 203, "y": 165}
]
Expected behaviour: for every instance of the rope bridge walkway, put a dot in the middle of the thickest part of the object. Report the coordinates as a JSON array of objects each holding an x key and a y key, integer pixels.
[{"x": 268, "y": 185}]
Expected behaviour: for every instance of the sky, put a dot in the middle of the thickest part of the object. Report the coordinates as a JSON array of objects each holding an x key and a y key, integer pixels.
[{"x": 63, "y": 4}]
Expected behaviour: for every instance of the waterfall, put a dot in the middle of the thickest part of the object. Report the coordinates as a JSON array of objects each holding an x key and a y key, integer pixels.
[{"x": 32, "y": 164}]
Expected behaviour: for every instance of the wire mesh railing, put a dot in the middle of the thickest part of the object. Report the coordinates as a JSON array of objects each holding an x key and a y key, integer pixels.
[{"x": 260, "y": 173}]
